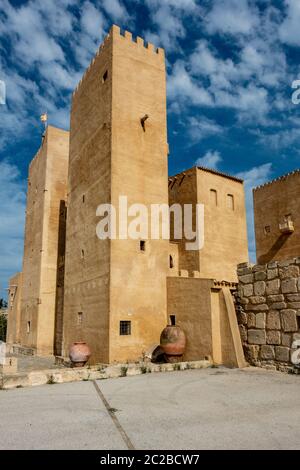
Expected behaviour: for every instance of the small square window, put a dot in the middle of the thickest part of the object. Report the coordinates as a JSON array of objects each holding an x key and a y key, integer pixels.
[
  {"x": 142, "y": 245},
  {"x": 125, "y": 327},
  {"x": 267, "y": 229},
  {"x": 104, "y": 76}
]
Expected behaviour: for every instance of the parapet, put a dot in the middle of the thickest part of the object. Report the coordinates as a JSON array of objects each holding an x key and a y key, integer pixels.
[
  {"x": 276, "y": 180},
  {"x": 138, "y": 41},
  {"x": 179, "y": 177},
  {"x": 115, "y": 31}
]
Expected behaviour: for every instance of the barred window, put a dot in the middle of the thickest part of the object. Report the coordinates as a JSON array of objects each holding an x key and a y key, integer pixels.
[{"x": 125, "y": 327}]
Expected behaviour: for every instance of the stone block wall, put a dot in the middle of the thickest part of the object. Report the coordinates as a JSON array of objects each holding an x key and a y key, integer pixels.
[{"x": 268, "y": 311}]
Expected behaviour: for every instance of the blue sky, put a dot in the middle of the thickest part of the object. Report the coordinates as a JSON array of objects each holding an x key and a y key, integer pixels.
[{"x": 230, "y": 66}]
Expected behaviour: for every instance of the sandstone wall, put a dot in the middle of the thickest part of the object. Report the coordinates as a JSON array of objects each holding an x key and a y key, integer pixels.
[
  {"x": 268, "y": 310},
  {"x": 275, "y": 202},
  {"x": 14, "y": 309},
  {"x": 225, "y": 230}
]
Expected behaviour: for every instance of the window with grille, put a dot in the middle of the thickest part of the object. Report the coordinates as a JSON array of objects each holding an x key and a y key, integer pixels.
[{"x": 125, "y": 327}]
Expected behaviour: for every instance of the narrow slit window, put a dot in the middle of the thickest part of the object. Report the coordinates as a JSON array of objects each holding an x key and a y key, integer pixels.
[
  {"x": 173, "y": 320},
  {"x": 125, "y": 327},
  {"x": 230, "y": 201},
  {"x": 142, "y": 245},
  {"x": 214, "y": 197},
  {"x": 79, "y": 318},
  {"x": 82, "y": 254},
  {"x": 171, "y": 262},
  {"x": 104, "y": 76},
  {"x": 83, "y": 198},
  {"x": 28, "y": 327}
]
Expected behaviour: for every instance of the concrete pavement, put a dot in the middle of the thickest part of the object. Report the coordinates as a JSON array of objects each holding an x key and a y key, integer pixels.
[{"x": 194, "y": 409}]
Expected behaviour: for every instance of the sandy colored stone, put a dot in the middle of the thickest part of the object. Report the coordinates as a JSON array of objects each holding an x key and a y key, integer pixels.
[
  {"x": 247, "y": 290},
  {"x": 273, "y": 287},
  {"x": 288, "y": 272},
  {"x": 260, "y": 276},
  {"x": 289, "y": 320},
  {"x": 275, "y": 298},
  {"x": 286, "y": 340},
  {"x": 246, "y": 279},
  {"x": 293, "y": 297},
  {"x": 272, "y": 273},
  {"x": 289, "y": 285},
  {"x": 256, "y": 337},
  {"x": 251, "y": 320},
  {"x": 273, "y": 337},
  {"x": 282, "y": 354},
  {"x": 257, "y": 299},
  {"x": 259, "y": 288},
  {"x": 273, "y": 320},
  {"x": 278, "y": 305},
  {"x": 260, "y": 320},
  {"x": 267, "y": 352}
]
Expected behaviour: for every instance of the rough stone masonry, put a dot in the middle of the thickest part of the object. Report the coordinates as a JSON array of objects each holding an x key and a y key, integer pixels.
[{"x": 268, "y": 311}]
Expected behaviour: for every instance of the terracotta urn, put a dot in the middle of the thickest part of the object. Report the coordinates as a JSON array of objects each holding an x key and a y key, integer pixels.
[
  {"x": 173, "y": 342},
  {"x": 79, "y": 354}
]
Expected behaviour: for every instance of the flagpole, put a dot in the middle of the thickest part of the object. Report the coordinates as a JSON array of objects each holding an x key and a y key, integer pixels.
[{"x": 44, "y": 119}]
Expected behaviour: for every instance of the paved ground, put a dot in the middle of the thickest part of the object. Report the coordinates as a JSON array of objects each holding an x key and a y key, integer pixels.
[{"x": 194, "y": 409}]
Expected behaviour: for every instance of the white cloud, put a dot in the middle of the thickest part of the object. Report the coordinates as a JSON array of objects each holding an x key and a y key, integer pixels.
[
  {"x": 231, "y": 17},
  {"x": 12, "y": 215},
  {"x": 92, "y": 21},
  {"x": 167, "y": 18},
  {"x": 182, "y": 87},
  {"x": 289, "y": 30},
  {"x": 202, "y": 127},
  {"x": 210, "y": 160},
  {"x": 115, "y": 10}
]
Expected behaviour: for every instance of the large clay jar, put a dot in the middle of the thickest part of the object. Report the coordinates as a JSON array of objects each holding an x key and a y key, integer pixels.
[
  {"x": 173, "y": 341},
  {"x": 79, "y": 354}
]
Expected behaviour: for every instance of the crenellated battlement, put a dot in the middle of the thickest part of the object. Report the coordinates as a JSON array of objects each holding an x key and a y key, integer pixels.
[
  {"x": 276, "y": 180},
  {"x": 138, "y": 41},
  {"x": 116, "y": 32}
]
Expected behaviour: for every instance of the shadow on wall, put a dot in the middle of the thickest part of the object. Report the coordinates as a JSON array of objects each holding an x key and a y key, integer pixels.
[{"x": 270, "y": 255}]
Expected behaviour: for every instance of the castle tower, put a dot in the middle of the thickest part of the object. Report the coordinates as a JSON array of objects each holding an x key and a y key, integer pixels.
[
  {"x": 115, "y": 290},
  {"x": 47, "y": 187},
  {"x": 277, "y": 218},
  {"x": 225, "y": 228}
]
